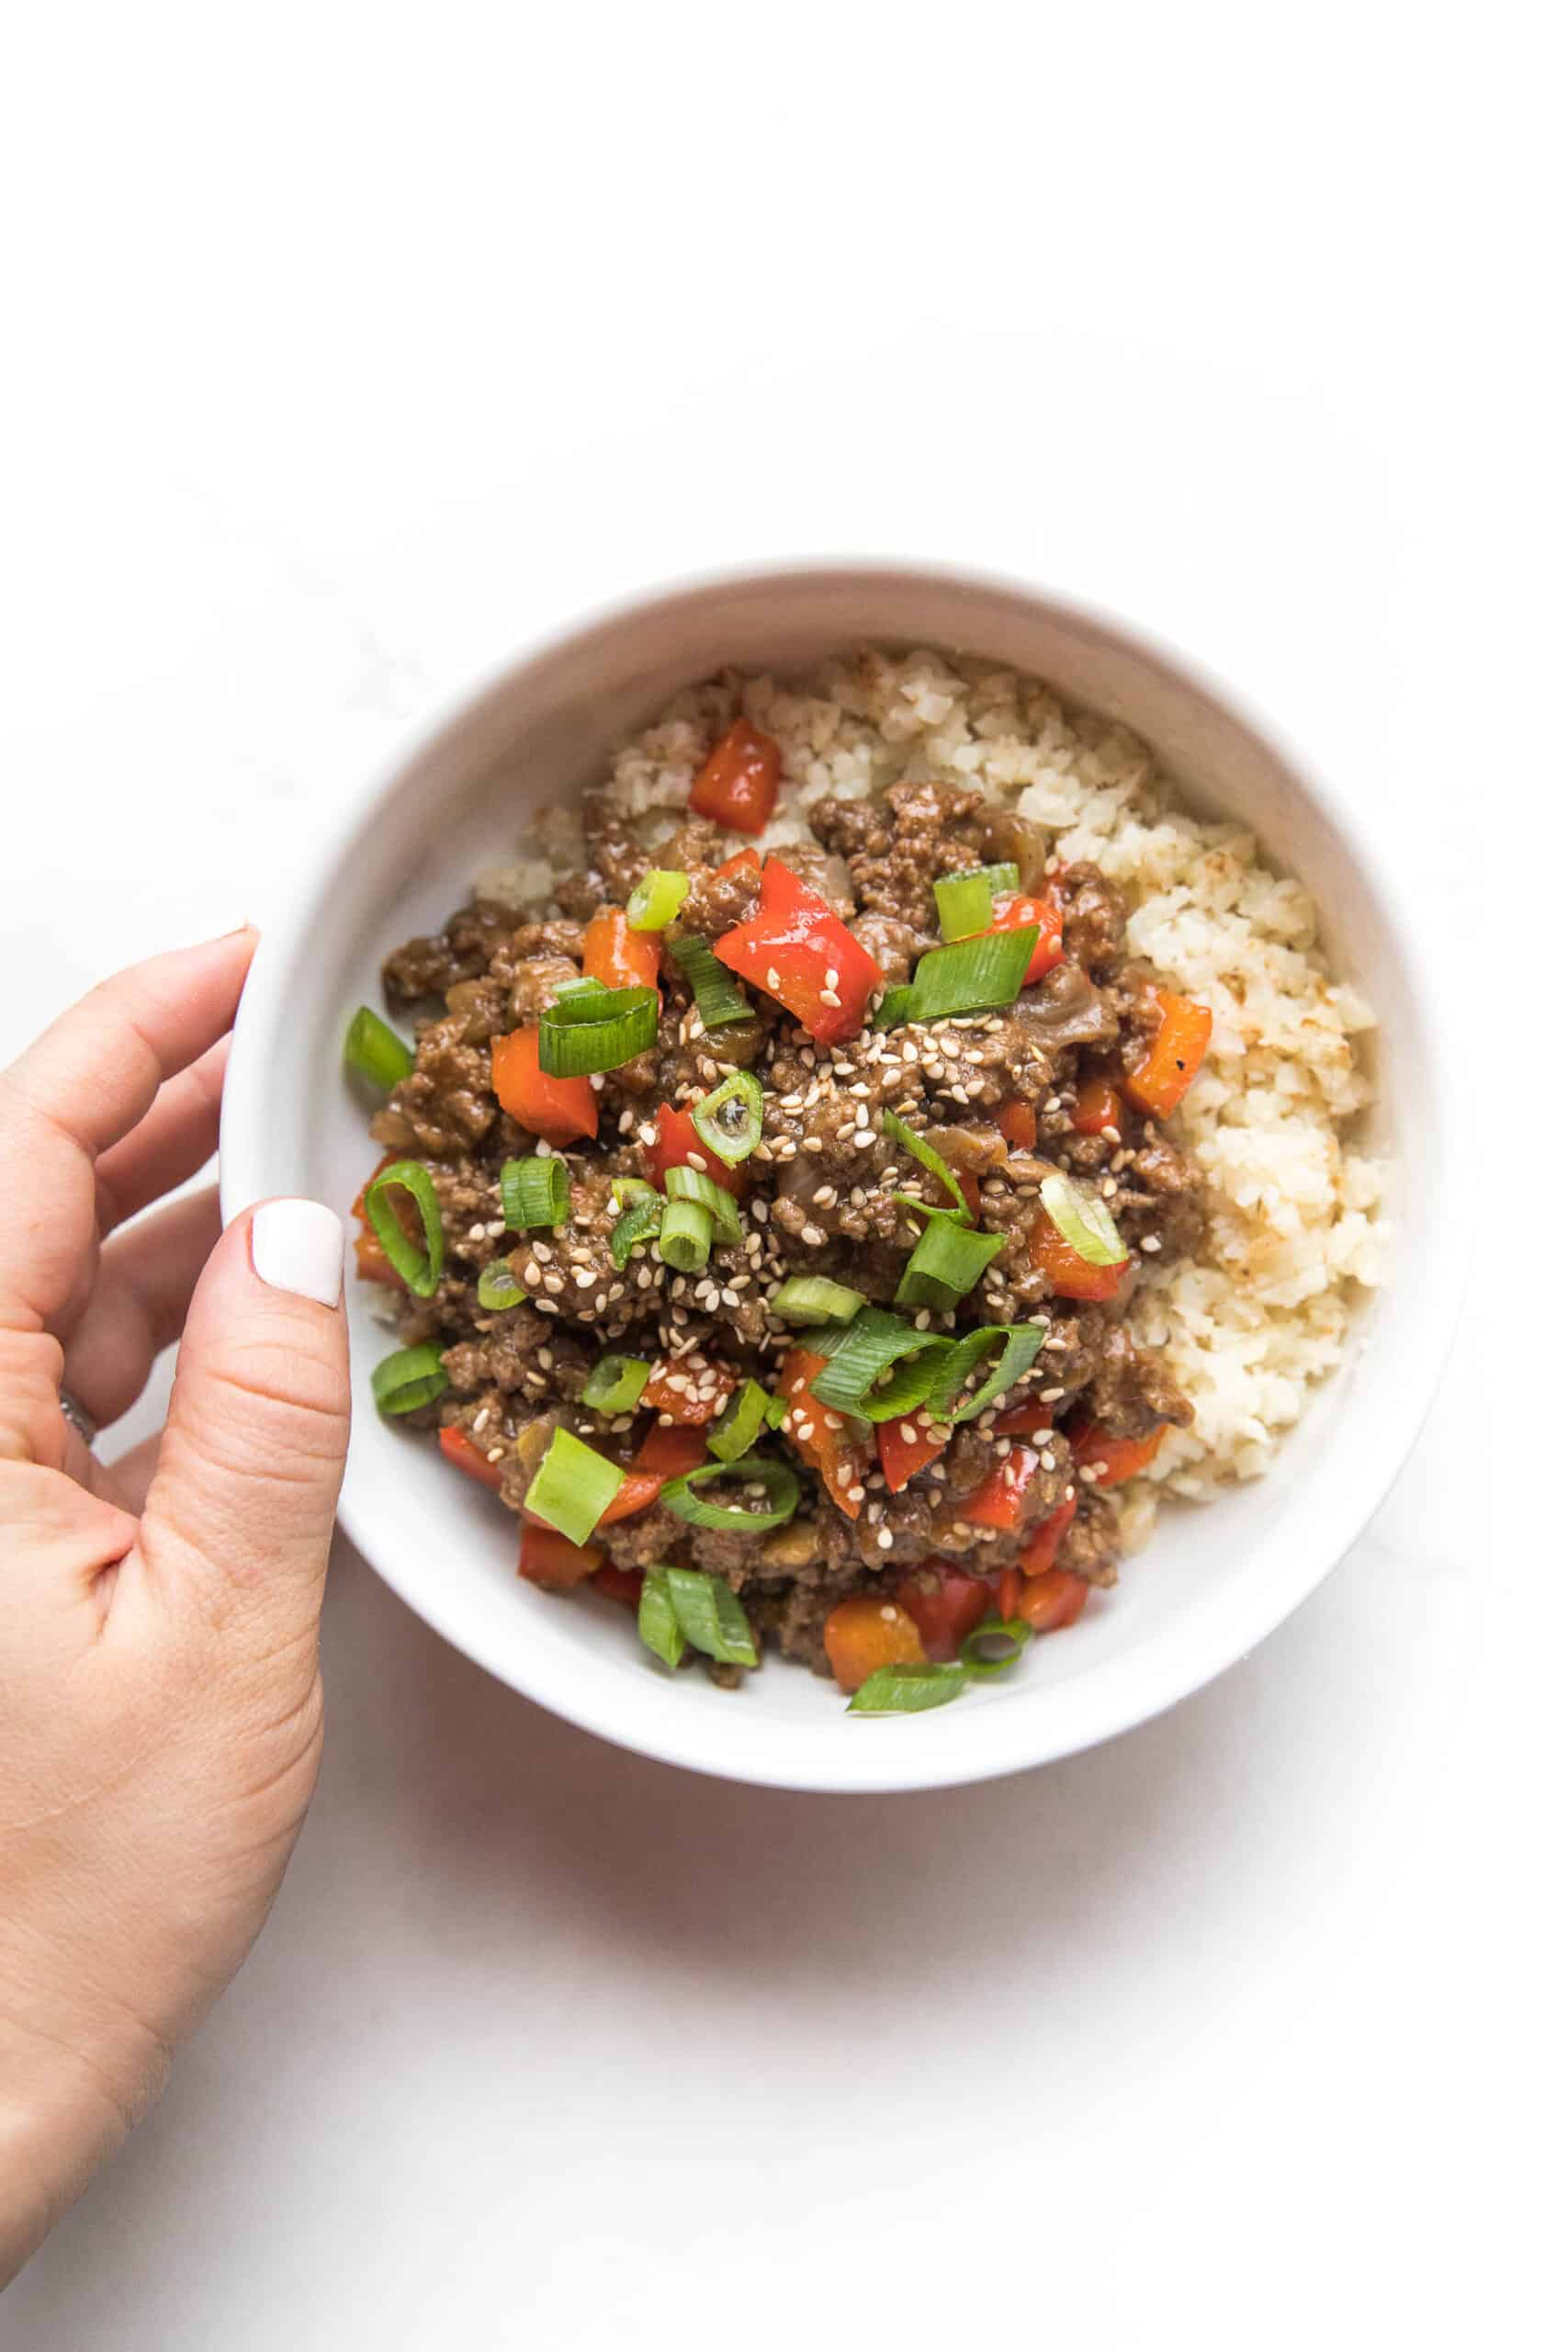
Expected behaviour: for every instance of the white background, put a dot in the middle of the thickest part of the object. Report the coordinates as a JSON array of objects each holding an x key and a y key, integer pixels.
[{"x": 348, "y": 346}]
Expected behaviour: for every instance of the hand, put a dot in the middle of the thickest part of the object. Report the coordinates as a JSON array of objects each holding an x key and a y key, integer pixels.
[{"x": 160, "y": 1703}]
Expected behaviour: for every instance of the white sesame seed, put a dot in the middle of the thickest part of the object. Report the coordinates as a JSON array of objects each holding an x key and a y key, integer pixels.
[
  {"x": 829, "y": 996},
  {"x": 772, "y": 978}
]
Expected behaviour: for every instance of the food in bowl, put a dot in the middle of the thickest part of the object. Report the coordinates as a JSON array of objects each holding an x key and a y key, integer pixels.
[{"x": 864, "y": 1158}]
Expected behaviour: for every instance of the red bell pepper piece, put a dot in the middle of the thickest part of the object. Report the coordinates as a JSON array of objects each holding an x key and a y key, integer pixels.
[
  {"x": 664, "y": 1453},
  {"x": 1071, "y": 1275},
  {"x": 1039, "y": 1553},
  {"x": 946, "y": 1604},
  {"x": 558, "y": 1109},
  {"x": 905, "y": 1449},
  {"x": 1022, "y": 1420},
  {"x": 1111, "y": 1458},
  {"x": 999, "y": 1502},
  {"x": 745, "y": 861},
  {"x": 623, "y": 1585},
  {"x": 1009, "y": 1586},
  {"x": 548, "y": 1558},
  {"x": 613, "y": 952},
  {"x": 795, "y": 949},
  {"x": 1052, "y": 1601},
  {"x": 738, "y": 782},
  {"x": 1018, "y": 1122},
  {"x": 970, "y": 1188},
  {"x": 821, "y": 1437},
  {"x": 1014, "y": 914},
  {"x": 1099, "y": 1107},
  {"x": 863, "y": 1635},
  {"x": 694, "y": 1390},
  {"x": 371, "y": 1262},
  {"x": 679, "y": 1144},
  {"x": 1174, "y": 1057},
  {"x": 463, "y": 1454}
]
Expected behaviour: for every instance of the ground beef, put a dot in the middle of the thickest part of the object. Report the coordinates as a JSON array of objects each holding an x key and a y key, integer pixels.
[{"x": 427, "y": 967}]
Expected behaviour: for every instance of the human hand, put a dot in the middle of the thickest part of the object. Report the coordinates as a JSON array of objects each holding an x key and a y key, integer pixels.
[{"x": 160, "y": 1703}]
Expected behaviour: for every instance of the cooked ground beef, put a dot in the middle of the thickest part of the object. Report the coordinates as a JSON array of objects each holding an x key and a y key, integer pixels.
[{"x": 821, "y": 1197}]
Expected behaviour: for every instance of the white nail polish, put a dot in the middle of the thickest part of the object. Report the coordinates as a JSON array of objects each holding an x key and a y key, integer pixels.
[{"x": 298, "y": 1246}]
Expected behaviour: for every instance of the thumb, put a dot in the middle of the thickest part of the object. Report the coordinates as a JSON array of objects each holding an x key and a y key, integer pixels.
[{"x": 238, "y": 1515}]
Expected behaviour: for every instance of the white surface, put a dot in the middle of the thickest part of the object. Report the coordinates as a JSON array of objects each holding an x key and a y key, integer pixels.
[
  {"x": 1218, "y": 1580},
  {"x": 346, "y": 351}
]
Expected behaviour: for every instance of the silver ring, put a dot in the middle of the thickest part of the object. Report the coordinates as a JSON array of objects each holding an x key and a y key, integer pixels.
[{"x": 81, "y": 1420}]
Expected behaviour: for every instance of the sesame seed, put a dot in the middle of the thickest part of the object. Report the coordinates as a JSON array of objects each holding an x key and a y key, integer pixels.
[
  {"x": 857, "y": 1494},
  {"x": 1150, "y": 1243},
  {"x": 772, "y": 978},
  {"x": 829, "y": 996},
  {"x": 813, "y": 1236},
  {"x": 554, "y": 1284},
  {"x": 814, "y": 1143},
  {"x": 832, "y": 979}
]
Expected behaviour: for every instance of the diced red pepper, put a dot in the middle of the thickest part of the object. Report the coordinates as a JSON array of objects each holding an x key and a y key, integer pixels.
[
  {"x": 1009, "y": 1586},
  {"x": 904, "y": 1456},
  {"x": 1050, "y": 1602},
  {"x": 861, "y": 1635},
  {"x": 1040, "y": 1553},
  {"x": 1174, "y": 1057},
  {"x": 679, "y": 1144},
  {"x": 946, "y": 1604},
  {"x": 664, "y": 1453},
  {"x": 970, "y": 1188},
  {"x": 547, "y": 1557},
  {"x": 694, "y": 1390},
  {"x": 1111, "y": 1458},
  {"x": 1022, "y": 1420},
  {"x": 1099, "y": 1107},
  {"x": 371, "y": 1262},
  {"x": 999, "y": 1502},
  {"x": 745, "y": 861},
  {"x": 613, "y": 952},
  {"x": 1018, "y": 1122},
  {"x": 738, "y": 782},
  {"x": 821, "y": 1437},
  {"x": 558, "y": 1109},
  {"x": 795, "y": 948},
  {"x": 463, "y": 1454},
  {"x": 623, "y": 1585},
  {"x": 1071, "y": 1275},
  {"x": 1014, "y": 914}
]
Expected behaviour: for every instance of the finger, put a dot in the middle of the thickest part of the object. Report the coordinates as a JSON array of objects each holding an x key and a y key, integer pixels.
[
  {"x": 87, "y": 1082},
  {"x": 179, "y": 1136},
  {"x": 127, "y": 1480},
  {"x": 146, "y": 1276},
  {"x": 238, "y": 1515}
]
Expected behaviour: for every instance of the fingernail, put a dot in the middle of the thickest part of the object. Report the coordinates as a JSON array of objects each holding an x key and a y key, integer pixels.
[{"x": 298, "y": 1246}]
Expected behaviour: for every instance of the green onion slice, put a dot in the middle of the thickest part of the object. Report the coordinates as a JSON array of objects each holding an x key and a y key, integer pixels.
[
  {"x": 718, "y": 999},
  {"x": 973, "y": 975},
  {"x": 657, "y": 899},
  {"x": 656, "y": 1619},
  {"x": 573, "y": 1486},
  {"x": 779, "y": 1499},
  {"x": 947, "y": 1262},
  {"x": 616, "y": 1383},
  {"x": 907, "y": 1690},
  {"x": 637, "y": 1223},
  {"x": 695, "y": 1184},
  {"x": 804, "y": 1298},
  {"x": 411, "y": 1377},
  {"x": 962, "y": 903},
  {"x": 777, "y": 1413},
  {"x": 600, "y": 1029},
  {"x": 875, "y": 1341},
  {"x": 499, "y": 1286},
  {"x": 376, "y": 1052},
  {"x": 685, "y": 1235},
  {"x": 710, "y": 1617},
  {"x": 996, "y": 1645},
  {"x": 1020, "y": 1343},
  {"x": 928, "y": 1158},
  {"x": 624, "y": 1189},
  {"x": 895, "y": 1006},
  {"x": 421, "y": 1268},
  {"x": 740, "y": 1423},
  {"x": 729, "y": 1120},
  {"x": 1003, "y": 878},
  {"x": 1083, "y": 1220},
  {"x": 534, "y": 1191}
]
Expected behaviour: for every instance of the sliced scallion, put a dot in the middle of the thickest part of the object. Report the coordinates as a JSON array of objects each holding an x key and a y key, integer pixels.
[
  {"x": 534, "y": 1191},
  {"x": 740, "y": 1423},
  {"x": 805, "y": 1298},
  {"x": 657, "y": 899},
  {"x": 710, "y": 1617},
  {"x": 572, "y": 1488},
  {"x": 946, "y": 1262},
  {"x": 996, "y": 1645},
  {"x": 407, "y": 1379},
  {"x": 1083, "y": 1220},
  {"x": 499, "y": 1286},
  {"x": 895, "y": 1006},
  {"x": 1019, "y": 1344},
  {"x": 972, "y": 975},
  {"x": 656, "y": 1620},
  {"x": 637, "y": 1223},
  {"x": 593, "y": 1030},
  {"x": 718, "y": 999},
  {"x": 694, "y": 1185},
  {"x": 962, "y": 903},
  {"x": 928, "y": 1158},
  {"x": 615, "y": 1384},
  {"x": 376, "y": 1052},
  {"x": 777, "y": 1413},
  {"x": 875, "y": 1341},
  {"x": 421, "y": 1268},
  {"x": 780, "y": 1494},
  {"x": 1002, "y": 877},
  {"x": 685, "y": 1236},
  {"x": 624, "y": 1189},
  {"x": 729, "y": 1120},
  {"x": 907, "y": 1690}
]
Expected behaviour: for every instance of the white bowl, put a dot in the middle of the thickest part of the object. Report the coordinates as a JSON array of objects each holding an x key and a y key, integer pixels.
[{"x": 1212, "y": 1581}]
